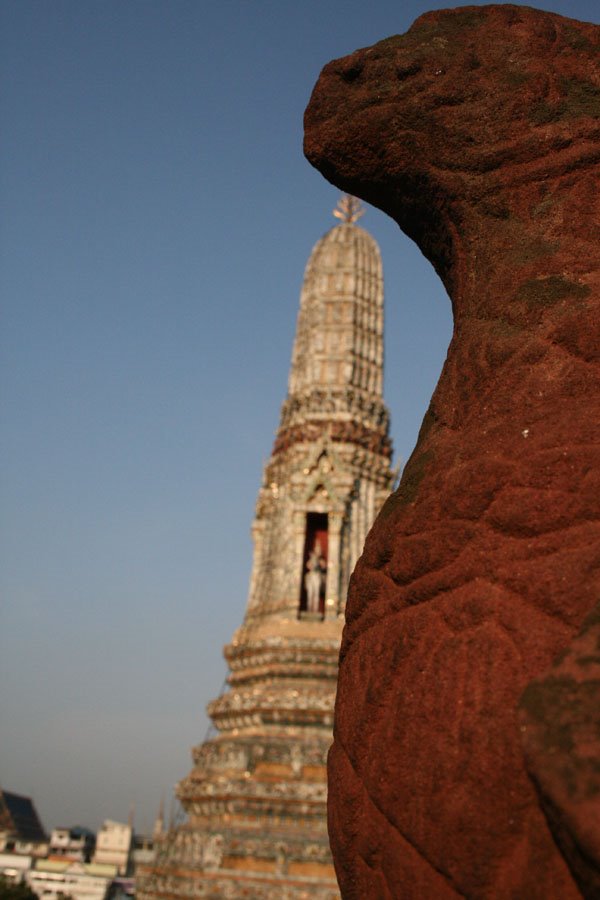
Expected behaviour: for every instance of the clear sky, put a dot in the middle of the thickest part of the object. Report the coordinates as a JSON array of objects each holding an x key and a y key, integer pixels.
[{"x": 157, "y": 215}]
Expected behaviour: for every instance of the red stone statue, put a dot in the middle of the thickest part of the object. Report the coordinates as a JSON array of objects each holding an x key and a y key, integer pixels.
[{"x": 466, "y": 760}]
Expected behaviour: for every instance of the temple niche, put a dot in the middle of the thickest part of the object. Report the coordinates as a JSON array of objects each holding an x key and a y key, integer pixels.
[{"x": 256, "y": 796}]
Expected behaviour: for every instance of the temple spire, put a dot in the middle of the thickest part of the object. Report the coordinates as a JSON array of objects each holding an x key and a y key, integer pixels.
[
  {"x": 339, "y": 334},
  {"x": 256, "y": 797}
]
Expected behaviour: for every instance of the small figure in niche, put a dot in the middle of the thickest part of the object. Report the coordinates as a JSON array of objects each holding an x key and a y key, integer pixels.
[{"x": 315, "y": 577}]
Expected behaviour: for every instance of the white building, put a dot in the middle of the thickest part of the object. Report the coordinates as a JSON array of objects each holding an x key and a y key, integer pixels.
[
  {"x": 113, "y": 845},
  {"x": 72, "y": 843},
  {"x": 80, "y": 881},
  {"x": 13, "y": 866}
]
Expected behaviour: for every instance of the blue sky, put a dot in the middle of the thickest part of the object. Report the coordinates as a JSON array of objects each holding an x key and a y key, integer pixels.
[{"x": 157, "y": 217}]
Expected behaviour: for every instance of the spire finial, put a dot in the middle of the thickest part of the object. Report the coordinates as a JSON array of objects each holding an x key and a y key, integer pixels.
[{"x": 349, "y": 209}]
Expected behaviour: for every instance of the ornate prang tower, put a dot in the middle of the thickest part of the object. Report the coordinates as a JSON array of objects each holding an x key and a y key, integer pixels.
[{"x": 256, "y": 796}]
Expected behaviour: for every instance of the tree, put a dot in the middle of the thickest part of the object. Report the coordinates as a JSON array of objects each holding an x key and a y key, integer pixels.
[{"x": 11, "y": 891}]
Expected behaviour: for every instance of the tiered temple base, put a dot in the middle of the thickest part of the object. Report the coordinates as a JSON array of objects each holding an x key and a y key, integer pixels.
[{"x": 256, "y": 797}]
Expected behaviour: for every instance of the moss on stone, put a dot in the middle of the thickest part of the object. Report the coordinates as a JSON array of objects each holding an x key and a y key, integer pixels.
[
  {"x": 581, "y": 100},
  {"x": 516, "y": 78},
  {"x": 543, "y": 113},
  {"x": 592, "y": 618},
  {"x": 543, "y": 701},
  {"x": 583, "y": 97},
  {"x": 532, "y": 249},
  {"x": 585, "y": 661},
  {"x": 496, "y": 208},
  {"x": 548, "y": 291},
  {"x": 576, "y": 40},
  {"x": 562, "y": 707},
  {"x": 504, "y": 328},
  {"x": 544, "y": 206}
]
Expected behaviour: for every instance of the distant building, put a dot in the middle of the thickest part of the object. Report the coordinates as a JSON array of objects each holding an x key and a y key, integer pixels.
[
  {"x": 114, "y": 844},
  {"x": 14, "y": 866},
  {"x": 75, "y": 843},
  {"x": 21, "y": 830},
  {"x": 122, "y": 889},
  {"x": 142, "y": 852},
  {"x": 78, "y": 880}
]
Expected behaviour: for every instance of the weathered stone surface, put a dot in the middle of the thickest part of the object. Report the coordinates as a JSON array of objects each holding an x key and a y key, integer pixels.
[
  {"x": 560, "y": 725},
  {"x": 479, "y": 132}
]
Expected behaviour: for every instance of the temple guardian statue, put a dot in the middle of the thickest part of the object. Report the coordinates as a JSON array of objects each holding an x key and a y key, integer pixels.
[{"x": 256, "y": 796}]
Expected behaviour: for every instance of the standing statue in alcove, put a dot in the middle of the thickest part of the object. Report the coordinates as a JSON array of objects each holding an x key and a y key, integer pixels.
[
  {"x": 314, "y": 578},
  {"x": 466, "y": 759}
]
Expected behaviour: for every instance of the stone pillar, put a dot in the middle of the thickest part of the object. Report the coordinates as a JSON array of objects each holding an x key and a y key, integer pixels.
[
  {"x": 299, "y": 519},
  {"x": 332, "y": 587}
]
